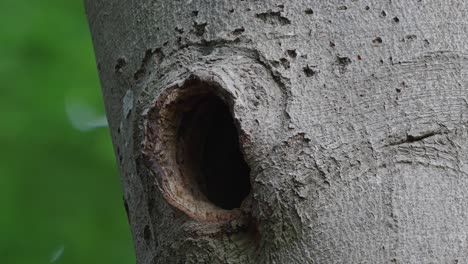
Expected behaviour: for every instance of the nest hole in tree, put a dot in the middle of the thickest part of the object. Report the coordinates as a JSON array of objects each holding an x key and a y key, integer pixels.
[
  {"x": 209, "y": 161},
  {"x": 208, "y": 150}
]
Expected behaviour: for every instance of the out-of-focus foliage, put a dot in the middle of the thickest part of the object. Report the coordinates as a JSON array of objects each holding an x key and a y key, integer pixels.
[{"x": 60, "y": 196}]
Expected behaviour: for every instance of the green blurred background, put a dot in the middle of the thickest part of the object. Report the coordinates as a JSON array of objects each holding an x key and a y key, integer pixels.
[{"x": 60, "y": 196}]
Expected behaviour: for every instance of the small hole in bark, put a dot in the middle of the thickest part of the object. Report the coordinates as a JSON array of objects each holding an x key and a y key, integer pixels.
[
  {"x": 126, "y": 208},
  {"x": 309, "y": 11},
  {"x": 377, "y": 40},
  {"x": 238, "y": 31}
]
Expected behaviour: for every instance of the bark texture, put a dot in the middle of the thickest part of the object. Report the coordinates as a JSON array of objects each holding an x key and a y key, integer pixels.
[{"x": 351, "y": 116}]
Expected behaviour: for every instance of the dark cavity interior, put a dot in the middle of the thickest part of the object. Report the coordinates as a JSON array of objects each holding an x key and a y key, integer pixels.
[{"x": 208, "y": 151}]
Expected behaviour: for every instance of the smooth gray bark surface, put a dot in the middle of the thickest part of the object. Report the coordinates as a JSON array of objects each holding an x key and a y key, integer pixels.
[{"x": 351, "y": 116}]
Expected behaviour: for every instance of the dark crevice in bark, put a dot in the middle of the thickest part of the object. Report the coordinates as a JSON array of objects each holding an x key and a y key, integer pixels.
[
  {"x": 273, "y": 18},
  {"x": 238, "y": 31},
  {"x": 309, "y": 72},
  {"x": 413, "y": 138},
  {"x": 410, "y": 138},
  {"x": 126, "y": 209},
  {"x": 292, "y": 53}
]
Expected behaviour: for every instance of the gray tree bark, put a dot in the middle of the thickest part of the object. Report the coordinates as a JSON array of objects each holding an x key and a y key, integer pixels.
[{"x": 349, "y": 119}]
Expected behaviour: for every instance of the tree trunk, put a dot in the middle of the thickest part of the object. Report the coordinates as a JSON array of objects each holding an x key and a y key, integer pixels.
[{"x": 289, "y": 131}]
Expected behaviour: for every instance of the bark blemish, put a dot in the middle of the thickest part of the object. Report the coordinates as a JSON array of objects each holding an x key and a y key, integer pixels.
[
  {"x": 416, "y": 137},
  {"x": 412, "y": 138},
  {"x": 409, "y": 38},
  {"x": 149, "y": 55},
  {"x": 273, "y": 18},
  {"x": 199, "y": 28},
  {"x": 179, "y": 30},
  {"x": 119, "y": 155},
  {"x": 396, "y": 19},
  {"x": 195, "y": 13},
  {"x": 343, "y": 63},
  {"x": 120, "y": 64},
  {"x": 377, "y": 40},
  {"x": 127, "y": 103},
  {"x": 285, "y": 63},
  {"x": 292, "y": 53},
  {"x": 309, "y": 72},
  {"x": 147, "y": 234},
  {"x": 426, "y": 42},
  {"x": 126, "y": 208},
  {"x": 238, "y": 31}
]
